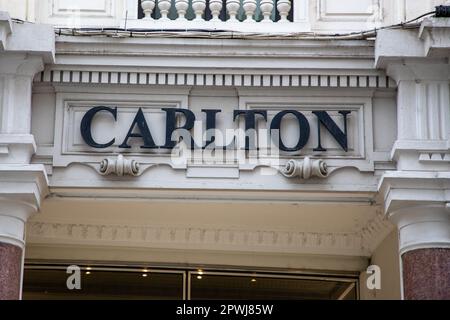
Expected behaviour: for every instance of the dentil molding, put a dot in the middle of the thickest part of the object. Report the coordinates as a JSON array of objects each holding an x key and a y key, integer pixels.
[
  {"x": 361, "y": 243},
  {"x": 236, "y": 79}
]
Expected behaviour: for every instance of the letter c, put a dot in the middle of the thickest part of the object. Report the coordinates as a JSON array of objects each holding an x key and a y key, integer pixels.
[{"x": 86, "y": 124}]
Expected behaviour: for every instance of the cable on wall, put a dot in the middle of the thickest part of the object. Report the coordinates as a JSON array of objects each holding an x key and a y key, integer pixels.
[{"x": 441, "y": 11}]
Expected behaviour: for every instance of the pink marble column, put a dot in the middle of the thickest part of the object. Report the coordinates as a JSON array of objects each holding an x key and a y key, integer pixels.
[
  {"x": 426, "y": 274},
  {"x": 10, "y": 271}
]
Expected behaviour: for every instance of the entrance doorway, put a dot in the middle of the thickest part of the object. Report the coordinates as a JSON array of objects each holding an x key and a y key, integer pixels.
[{"x": 106, "y": 282}]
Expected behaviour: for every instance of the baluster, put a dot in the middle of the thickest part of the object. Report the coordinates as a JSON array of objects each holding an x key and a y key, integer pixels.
[
  {"x": 181, "y": 6},
  {"x": 147, "y": 7},
  {"x": 249, "y": 8},
  {"x": 164, "y": 7},
  {"x": 284, "y": 7},
  {"x": 199, "y": 7},
  {"x": 215, "y": 6},
  {"x": 266, "y": 7},
  {"x": 233, "y": 8}
]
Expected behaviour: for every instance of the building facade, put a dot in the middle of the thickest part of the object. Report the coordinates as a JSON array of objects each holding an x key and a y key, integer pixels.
[{"x": 213, "y": 146}]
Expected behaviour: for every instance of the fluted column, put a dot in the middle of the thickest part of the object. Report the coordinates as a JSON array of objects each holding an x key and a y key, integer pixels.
[
  {"x": 416, "y": 196},
  {"x": 24, "y": 48}
]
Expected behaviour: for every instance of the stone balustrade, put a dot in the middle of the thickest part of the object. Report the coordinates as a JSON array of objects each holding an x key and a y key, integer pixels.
[
  {"x": 229, "y": 15},
  {"x": 232, "y": 11}
]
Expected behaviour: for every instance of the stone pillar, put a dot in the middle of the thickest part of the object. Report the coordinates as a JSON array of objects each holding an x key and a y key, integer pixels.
[
  {"x": 426, "y": 274},
  {"x": 10, "y": 271},
  {"x": 13, "y": 217},
  {"x": 416, "y": 195},
  {"x": 424, "y": 245},
  {"x": 24, "y": 48}
]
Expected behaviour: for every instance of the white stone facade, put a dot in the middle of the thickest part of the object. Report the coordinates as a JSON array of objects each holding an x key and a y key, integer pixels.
[{"x": 139, "y": 206}]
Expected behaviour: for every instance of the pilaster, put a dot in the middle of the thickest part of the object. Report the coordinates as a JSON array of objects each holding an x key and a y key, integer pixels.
[
  {"x": 416, "y": 196},
  {"x": 24, "y": 49}
]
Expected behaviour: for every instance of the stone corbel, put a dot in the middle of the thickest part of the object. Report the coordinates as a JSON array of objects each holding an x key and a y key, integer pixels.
[
  {"x": 119, "y": 166},
  {"x": 305, "y": 169}
]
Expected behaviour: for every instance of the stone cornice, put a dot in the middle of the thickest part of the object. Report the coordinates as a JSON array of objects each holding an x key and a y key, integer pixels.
[
  {"x": 436, "y": 36},
  {"x": 24, "y": 182},
  {"x": 403, "y": 189},
  {"x": 227, "y": 239},
  {"x": 429, "y": 43},
  {"x": 215, "y": 62},
  {"x": 5, "y": 29},
  {"x": 22, "y": 189},
  {"x": 217, "y": 57},
  {"x": 26, "y": 38},
  {"x": 229, "y": 48}
]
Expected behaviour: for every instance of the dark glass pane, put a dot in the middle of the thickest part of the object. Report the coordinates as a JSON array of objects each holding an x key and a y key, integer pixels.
[
  {"x": 140, "y": 11},
  {"x": 51, "y": 284},
  {"x": 247, "y": 287}
]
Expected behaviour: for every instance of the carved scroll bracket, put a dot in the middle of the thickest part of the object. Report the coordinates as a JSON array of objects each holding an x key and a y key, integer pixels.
[
  {"x": 120, "y": 166},
  {"x": 305, "y": 169}
]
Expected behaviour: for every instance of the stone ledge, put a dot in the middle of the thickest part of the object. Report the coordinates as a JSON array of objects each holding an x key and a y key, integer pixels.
[{"x": 34, "y": 39}]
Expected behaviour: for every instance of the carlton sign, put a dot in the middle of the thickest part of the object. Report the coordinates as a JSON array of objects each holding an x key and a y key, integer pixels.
[{"x": 139, "y": 127}]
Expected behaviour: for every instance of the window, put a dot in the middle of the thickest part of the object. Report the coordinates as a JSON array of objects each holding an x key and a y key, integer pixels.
[{"x": 46, "y": 282}]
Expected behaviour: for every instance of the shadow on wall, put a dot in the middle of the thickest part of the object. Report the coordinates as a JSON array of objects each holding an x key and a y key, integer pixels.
[{"x": 387, "y": 258}]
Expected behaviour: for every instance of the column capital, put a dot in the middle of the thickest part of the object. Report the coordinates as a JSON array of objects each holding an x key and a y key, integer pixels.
[
  {"x": 22, "y": 189},
  {"x": 419, "y": 70},
  {"x": 422, "y": 227},
  {"x": 20, "y": 64},
  {"x": 418, "y": 203},
  {"x": 407, "y": 189},
  {"x": 14, "y": 214}
]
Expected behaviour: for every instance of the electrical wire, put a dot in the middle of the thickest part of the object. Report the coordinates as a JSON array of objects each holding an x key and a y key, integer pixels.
[{"x": 227, "y": 34}]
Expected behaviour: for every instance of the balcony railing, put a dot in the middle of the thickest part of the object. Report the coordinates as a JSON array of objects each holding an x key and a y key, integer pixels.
[{"x": 270, "y": 16}]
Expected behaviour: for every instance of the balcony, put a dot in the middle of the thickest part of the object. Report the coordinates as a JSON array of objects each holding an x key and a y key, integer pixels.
[
  {"x": 251, "y": 16},
  {"x": 262, "y": 16}
]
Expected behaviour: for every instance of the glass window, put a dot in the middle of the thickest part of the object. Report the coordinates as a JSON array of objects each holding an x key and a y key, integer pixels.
[
  {"x": 99, "y": 284},
  {"x": 248, "y": 287},
  {"x": 45, "y": 282}
]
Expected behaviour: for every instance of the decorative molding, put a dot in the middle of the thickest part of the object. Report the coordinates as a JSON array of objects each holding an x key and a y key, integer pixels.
[
  {"x": 120, "y": 166},
  {"x": 219, "y": 239},
  {"x": 27, "y": 182},
  {"x": 360, "y": 243},
  {"x": 435, "y": 157},
  {"x": 405, "y": 189},
  {"x": 375, "y": 231},
  {"x": 22, "y": 189},
  {"x": 226, "y": 80},
  {"x": 305, "y": 169}
]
